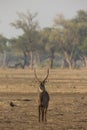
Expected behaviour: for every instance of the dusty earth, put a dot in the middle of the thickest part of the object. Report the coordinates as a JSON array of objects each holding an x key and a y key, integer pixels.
[{"x": 67, "y": 111}]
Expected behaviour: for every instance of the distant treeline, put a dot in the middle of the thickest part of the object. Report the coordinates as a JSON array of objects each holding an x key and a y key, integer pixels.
[{"x": 62, "y": 45}]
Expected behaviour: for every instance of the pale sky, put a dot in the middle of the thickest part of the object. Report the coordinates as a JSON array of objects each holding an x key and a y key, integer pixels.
[{"x": 46, "y": 9}]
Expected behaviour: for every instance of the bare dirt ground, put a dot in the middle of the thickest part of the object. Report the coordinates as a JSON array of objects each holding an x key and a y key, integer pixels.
[
  {"x": 67, "y": 111},
  {"x": 68, "y": 100}
]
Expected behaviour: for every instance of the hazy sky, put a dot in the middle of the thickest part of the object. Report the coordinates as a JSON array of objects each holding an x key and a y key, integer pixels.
[{"x": 46, "y": 9}]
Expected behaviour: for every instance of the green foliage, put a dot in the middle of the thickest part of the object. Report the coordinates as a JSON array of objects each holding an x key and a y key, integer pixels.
[
  {"x": 3, "y": 42},
  {"x": 67, "y": 38},
  {"x": 29, "y": 26},
  {"x": 83, "y": 47}
]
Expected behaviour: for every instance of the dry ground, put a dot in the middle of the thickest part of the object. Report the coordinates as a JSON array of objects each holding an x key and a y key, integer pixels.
[
  {"x": 68, "y": 100},
  {"x": 66, "y": 112}
]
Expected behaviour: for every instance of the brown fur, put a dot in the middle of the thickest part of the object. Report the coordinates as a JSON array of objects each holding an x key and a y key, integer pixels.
[
  {"x": 43, "y": 103},
  {"x": 43, "y": 98}
]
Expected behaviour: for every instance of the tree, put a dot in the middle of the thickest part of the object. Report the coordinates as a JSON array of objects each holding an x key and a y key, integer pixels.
[
  {"x": 83, "y": 48},
  {"x": 29, "y": 26},
  {"x": 3, "y": 42},
  {"x": 68, "y": 39},
  {"x": 53, "y": 46},
  {"x": 48, "y": 44},
  {"x": 80, "y": 21},
  {"x": 3, "y": 48}
]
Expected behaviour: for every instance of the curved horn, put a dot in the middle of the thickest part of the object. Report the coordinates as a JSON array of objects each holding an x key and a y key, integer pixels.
[
  {"x": 46, "y": 75},
  {"x": 36, "y": 75}
]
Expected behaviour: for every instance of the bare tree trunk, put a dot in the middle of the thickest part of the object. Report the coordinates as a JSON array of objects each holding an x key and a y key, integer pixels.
[
  {"x": 51, "y": 62},
  {"x": 25, "y": 55},
  {"x": 26, "y": 59},
  {"x": 36, "y": 59},
  {"x": 31, "y": 59},
  {"x": 51, "y": 58},
  {"x": 69, "y": 63},
  {"x": 4, "y": 59},
  {"x": 85, "y": 61},
  {"x": 68, "y": 60}
]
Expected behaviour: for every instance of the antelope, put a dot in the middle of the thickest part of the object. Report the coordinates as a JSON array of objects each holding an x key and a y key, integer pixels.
[{"x": 43, "y": 98}]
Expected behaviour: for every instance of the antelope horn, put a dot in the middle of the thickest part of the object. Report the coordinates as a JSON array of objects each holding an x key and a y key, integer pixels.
[
  {"x": 36, "y": 75},
  {"x": 46, "y": 75}
]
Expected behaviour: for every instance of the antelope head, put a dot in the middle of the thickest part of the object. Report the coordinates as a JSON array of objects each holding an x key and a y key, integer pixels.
[{"x": 41, "y": 83}]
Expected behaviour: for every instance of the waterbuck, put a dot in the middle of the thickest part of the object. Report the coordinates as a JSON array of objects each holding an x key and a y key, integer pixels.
[{"x": 43, "y": 98}]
